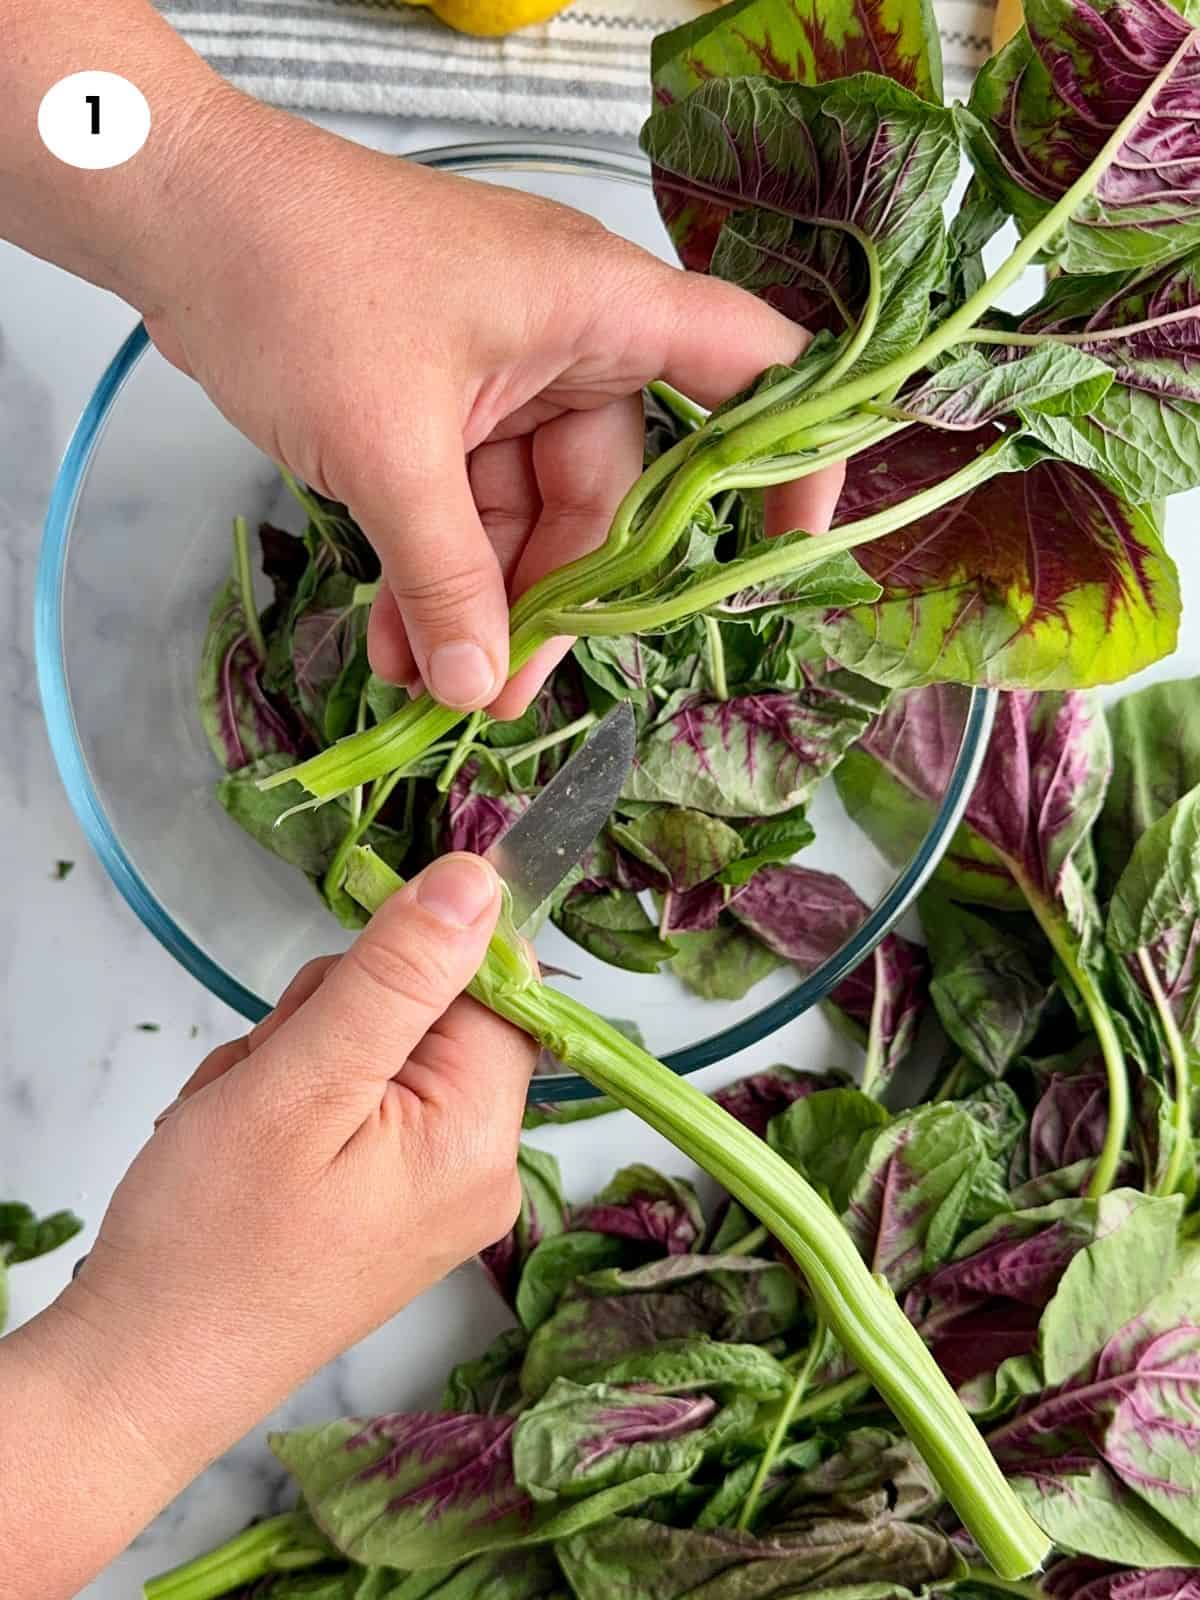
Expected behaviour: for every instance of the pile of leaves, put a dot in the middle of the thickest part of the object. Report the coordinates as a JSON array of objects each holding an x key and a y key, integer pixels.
[
  {"x": 24, "y": 1236},
  {"x": 739, "y": 720},
  {"x": 668, "y": 1417}
]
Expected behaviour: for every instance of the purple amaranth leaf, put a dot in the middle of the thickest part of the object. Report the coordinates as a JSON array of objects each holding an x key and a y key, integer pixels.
[
  {"x": 1041, "y": 111},
  {"x": 755, "y": 1099},
  {"x": 1037, "y": 795},
  {"x": 324, "y": 638},
  {"x": 433, "y": 1489},
  {"x": 479, "y": 811},
  {"x": 766, "y": 184},
  {"x": 984, "y": 1308},
  {"x": 803, "y": 43},
  {"x": 610, "y": 1315},
  {"x": 1067, "y": 1124},
  {"x": 419, "y": 1489},
  {"x": 242, "y": 721},
  {"x": 1082, "y": 1579},
  {"x": 642, "y": 1204},
  {"x": 543, "y": 1213},
  {"x": 806, "y": 917},
  {"x": 1039, "y": 578},
  {"x": 1109, "y": 1462},
  {"x": 578, "y": 1438},
  {"x": 750, "y": 755},
  {"x": 915, "y": 1190},
  {"x": 696, "y": 910}
]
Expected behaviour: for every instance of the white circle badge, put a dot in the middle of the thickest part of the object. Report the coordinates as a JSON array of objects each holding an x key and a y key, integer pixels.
[{"x": 94, "y": 119}]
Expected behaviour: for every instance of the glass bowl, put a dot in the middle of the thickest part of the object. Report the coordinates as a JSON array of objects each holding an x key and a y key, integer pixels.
[{"x": 136, "y": 543}]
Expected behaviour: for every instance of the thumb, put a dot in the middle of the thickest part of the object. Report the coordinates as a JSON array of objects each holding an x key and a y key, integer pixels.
[
  {"x": 354, "y": 1034},
  {"x": 414, "y": 502}
]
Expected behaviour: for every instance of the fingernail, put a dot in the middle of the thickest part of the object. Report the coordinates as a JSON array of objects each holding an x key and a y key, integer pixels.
[
  {"x": 460, "y": 674},
  {"x": 457, "y": 890},
  {"x": 415, "y": 688}
]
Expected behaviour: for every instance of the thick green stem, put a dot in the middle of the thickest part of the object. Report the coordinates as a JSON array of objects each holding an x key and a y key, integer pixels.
[
  {"x": 859, "y": 1308},
  {"x": 1065, "y": 947},
  {"x": 245, "y": 583},
  {"x": 1181, "y": 1118},
  {"x": 787, "y": 560},
  {"x": 281, "y": 1544},
  {"x": 783, "y": 1422},
  {"x": 380, "y": 794}
]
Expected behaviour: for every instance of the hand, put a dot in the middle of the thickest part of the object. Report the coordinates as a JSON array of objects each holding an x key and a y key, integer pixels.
[
  {"x": 312, "y": 1178},
  {"x": 460, "y": 363}
]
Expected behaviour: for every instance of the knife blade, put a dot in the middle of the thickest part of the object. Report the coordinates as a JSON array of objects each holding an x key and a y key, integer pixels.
[{"x": 541, "y": 847}]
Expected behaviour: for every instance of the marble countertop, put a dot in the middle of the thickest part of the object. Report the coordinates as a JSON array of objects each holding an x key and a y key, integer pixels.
[{"x": 80, "y": 1081}]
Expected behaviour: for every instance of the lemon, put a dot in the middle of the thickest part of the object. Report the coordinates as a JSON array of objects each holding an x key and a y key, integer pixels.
[
  {"x": 489, "y": 18},
  {"x": 1009, "y": 19}
]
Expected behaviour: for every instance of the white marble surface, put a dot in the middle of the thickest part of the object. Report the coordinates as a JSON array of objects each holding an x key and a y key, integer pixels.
[{"x": 79, "y": 1083}]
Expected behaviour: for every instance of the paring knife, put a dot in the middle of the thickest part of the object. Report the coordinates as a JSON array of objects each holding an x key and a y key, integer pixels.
[{"x": 542, "y": 846}]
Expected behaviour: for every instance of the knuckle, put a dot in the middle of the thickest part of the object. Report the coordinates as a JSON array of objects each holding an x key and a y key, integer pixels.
[
  {"x": 442, "y": 597},
  {"x": 409, "y": 971}
]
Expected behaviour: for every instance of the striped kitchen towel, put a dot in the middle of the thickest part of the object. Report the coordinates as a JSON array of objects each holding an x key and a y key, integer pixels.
[{"x": 584, "y": 71}]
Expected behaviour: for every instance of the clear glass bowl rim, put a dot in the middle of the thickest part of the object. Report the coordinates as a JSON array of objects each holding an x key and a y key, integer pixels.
[{"x": 68, "y": 752}]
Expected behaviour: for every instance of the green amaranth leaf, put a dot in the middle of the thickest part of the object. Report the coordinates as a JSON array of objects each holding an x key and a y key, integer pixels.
[
  {"x": 820, "y": 1134},
  {"x": 966, "y": 393},
  {"x": 557, "y": 1262},
  {"x": 24, "y": 1235},
  {"x": 615, "y": 927},
  {"x": 1142, "y": 434},
  {"x": 990, "y": 980},
  {"x": 784, "y": 186},
  {"x": 834, "y": 1558},
  {"x": 490, "y": 1382},
  {"x": 682, "y": 848},
  {"x": 800, "y": 43},
  {"x": 722, "y": 963},
  {"x": 613, "y": 1314},
  {"x": 1156, "y": 760}
]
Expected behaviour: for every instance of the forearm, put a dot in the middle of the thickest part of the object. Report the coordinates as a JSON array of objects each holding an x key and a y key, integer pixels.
[
  {"x": 130, "y": 228},
  {"x": 108, "y": 1415},
  {"x": 77, "y": 1483}
]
